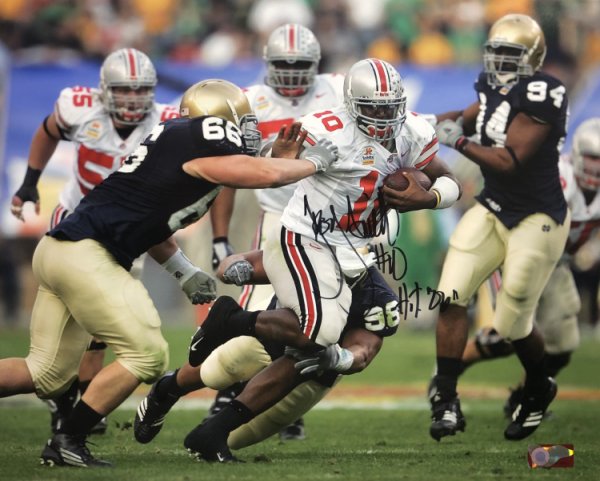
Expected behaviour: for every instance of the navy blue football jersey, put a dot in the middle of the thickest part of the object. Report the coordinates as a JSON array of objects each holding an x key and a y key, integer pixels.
[
  {"x": 150, "y": 196},
  {"x": 371, "y": 291},
  {"x": 534, "y": 186}
]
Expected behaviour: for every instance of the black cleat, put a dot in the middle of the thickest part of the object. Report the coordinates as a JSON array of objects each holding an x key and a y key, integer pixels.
[
  {"x": 66, "y": 450},
  {"x": 293, "y": 432},
  {"x": 212, "y": 333},
  {"x": 150, "y": 414},
  {"x": 204, "y": 443},
  {"x": 446, "y": 418},
  {"x": 514, "y": 399},
  {"x": 529, "y": 413}
]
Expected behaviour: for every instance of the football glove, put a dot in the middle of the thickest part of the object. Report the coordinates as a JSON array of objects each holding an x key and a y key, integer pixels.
[
  {"x": 322, "y": 154},
  {"x": 221, "y": 249},
  {"x": 238, "y": 273},
  {"x": 450, "y": 132},
  {"x": 200, "y": 287},
  {"x": 333, "y": 357}
]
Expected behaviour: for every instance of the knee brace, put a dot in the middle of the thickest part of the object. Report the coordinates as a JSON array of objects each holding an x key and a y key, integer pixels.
[
  {"x": 237, "y": 360},
  {"x": 299, "y": 401},
  {"x": 491, "y": 345}
]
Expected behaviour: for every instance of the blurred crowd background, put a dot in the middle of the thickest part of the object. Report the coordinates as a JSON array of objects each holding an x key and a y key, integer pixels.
[
  {"x": 218, "y": 32},
  {"x": 222, "y": 34}
]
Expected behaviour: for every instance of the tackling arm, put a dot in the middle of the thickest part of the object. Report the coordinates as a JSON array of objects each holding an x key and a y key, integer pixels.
[
  {"x": 198, "y": 286},
  {"x": 364, "y": 346}
]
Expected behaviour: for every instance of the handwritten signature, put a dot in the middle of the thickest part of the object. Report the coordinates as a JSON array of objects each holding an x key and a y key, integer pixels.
[
  {"x": 395, "y": 263},
  {"x": 327, "y": 222}
]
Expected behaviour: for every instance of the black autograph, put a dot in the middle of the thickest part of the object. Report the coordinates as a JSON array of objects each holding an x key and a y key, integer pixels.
[
  {"x": 376, "y": 224},
  {"x": 395, "y": 263}
]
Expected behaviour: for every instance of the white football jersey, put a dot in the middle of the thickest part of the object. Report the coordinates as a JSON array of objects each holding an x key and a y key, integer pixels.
[
  {"x": 585, "y": 219},
  {"x": 341, "y": 205},
  {"x": 273, "y": 111},
  {"x": 99, "y": 148}
]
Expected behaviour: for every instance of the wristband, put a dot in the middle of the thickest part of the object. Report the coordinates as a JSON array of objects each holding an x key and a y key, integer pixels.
[
  {"x": 47, "y": 130},
  {"x": 447, "y": 190},
  {"x": 345, "y": 361},
  {"x": 461, "y": 143},
  {"x": 31, "y": 177},
  {"x": 180, "y": 267}
]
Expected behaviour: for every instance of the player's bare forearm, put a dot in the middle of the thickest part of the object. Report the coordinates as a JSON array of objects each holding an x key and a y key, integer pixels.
[
  {"x": 245, "y": 172},
  {"x": 163, "y": 251},
  {"x": 364, "y": 346},
  {"x": 221, "y": 211}
]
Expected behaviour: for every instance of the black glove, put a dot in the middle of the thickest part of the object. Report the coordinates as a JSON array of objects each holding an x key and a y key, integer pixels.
[{"x": 221, "y": 249}]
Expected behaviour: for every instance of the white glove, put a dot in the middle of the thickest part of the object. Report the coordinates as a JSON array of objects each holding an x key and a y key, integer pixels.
[
  {"x": 449, "y": 132},
  {"x": 221, "y": 249},
  {"x": 200, "y": 287},
  {"x": 238, "y": 273},
  {"x": 322, "y": 154},
  {"x": 333, "y": 357}
]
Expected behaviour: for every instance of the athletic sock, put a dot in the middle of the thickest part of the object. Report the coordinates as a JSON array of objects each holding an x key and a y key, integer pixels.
[
  {"x": 241, "y": 323},
  {"x": 167, "y": 386},
  {"x": 448, "y": 370},
  {"x": 81, "y": 420}
]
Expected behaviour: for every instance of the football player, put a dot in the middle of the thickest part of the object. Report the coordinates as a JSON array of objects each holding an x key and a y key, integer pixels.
[
  {"x": 373, "y": 316},
  {"x": 106, "y": 124},
  {"x": 82, "y": 264},
  {"x": 520, "y": 220},
  {"x": 292, "y": 87},
  {"x": 340, "y": 211},
  {"x": 559, "y": 304}
]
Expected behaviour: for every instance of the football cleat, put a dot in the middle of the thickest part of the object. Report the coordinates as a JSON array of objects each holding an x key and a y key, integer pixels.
[
  {"x": 212, "y": 333},
  {"x": 293, "y": 432},
  {"x": 514, "y": 399},
  {"x": 203, "y": 443},
  {"x": 67, "y": 450},
  {"x": 151, "y": 413},
  {"x": 446, "y": 418},
  {"x": 529, "y": 413}
]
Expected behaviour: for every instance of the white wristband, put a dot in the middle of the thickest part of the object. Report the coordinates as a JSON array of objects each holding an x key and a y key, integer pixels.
[
  {"x": 180, "y": 267},
  {"x": 447, "y": 191},
  {"x": 345, "y": 360}
]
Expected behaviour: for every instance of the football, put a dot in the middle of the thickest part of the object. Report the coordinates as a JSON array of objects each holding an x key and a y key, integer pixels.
[{"x": 397, "y": 181}]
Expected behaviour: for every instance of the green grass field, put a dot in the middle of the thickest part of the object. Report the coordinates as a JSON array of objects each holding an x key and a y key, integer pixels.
[{"x": 373, "y": 426}]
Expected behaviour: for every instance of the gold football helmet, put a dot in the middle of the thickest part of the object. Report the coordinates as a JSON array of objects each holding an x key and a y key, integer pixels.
[
  {"x": 515, "y": 48},
  {"x": 226, "y": 100}
]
